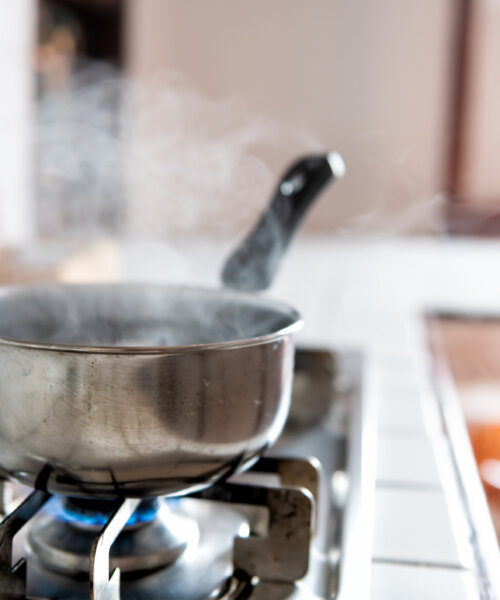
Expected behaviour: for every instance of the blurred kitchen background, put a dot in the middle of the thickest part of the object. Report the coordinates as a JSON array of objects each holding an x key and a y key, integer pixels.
[
  {"x": 135, "y": 134},
  {"x": 407, "y": 93}
]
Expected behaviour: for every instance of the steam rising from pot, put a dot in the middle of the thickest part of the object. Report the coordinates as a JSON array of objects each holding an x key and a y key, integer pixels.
[
  {"x": 136, "y": 315},
  {"x": 156, "y": 161},
  {"x": 148, "y": 163}
]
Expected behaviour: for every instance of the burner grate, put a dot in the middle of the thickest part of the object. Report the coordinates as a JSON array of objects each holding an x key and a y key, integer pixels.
[
  {"x": 13, "y": 578},
  {"x": 264, "y": 567}
]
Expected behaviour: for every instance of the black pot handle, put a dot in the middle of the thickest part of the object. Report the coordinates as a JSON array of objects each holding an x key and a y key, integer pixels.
[{"x": 254, "y": 263}]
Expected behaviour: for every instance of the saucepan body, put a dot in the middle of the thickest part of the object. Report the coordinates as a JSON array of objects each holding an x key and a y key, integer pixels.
[{"x": 139, "y": 390}]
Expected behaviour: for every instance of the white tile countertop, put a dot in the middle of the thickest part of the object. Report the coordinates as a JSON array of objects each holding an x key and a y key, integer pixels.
[
  {"x": 378, "y": 292},
  {"x": 370, "y": 295}
]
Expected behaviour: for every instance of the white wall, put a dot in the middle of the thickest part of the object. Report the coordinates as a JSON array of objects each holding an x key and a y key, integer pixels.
[
  {"x": 370, "y": 79},
  {"x": 17, "y": 37}
]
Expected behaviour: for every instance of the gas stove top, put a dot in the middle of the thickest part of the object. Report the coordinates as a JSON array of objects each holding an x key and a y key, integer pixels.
[{"x": 297, "y": 525}]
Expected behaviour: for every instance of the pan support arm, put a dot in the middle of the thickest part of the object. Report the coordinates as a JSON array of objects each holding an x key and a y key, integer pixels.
[{"x": 13, "y": 577}]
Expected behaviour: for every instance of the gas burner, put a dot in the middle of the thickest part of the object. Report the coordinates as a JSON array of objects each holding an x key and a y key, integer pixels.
[
  {"x": 61, "y": 536},
  {"x": 179, "y": 548},
  {"x": 211, "y": 553}
]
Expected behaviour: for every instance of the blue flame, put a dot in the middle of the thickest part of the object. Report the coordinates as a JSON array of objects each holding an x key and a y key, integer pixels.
[{"x": 145, "y": 512}]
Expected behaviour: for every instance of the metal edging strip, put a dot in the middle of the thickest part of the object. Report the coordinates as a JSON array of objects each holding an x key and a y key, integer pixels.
[{"x": 357, "y": 528}]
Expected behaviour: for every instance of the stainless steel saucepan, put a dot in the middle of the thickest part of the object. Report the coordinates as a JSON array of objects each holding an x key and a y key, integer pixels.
[{"x": 141, "y": 390}]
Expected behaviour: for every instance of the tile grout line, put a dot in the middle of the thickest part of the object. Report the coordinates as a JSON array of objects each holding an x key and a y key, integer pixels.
[
  {"x": 422, "y": 564},
  {"x": 403, "y": 485}
]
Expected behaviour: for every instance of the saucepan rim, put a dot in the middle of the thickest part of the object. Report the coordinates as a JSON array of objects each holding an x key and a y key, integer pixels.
[{"x": 296, "y": 322}]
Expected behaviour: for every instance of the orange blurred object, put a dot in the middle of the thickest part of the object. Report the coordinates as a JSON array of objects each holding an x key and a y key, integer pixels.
[{"x": 485, "y": 440}]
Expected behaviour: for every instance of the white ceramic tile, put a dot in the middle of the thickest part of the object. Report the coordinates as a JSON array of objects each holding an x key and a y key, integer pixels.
[
  {"x": 416, "y": 415},
  {"x": 406, "y": 461},
  {"x": 399, "y": 417},
  {"x": 416, "y": 526},
  {"x": 397, "y": 370},
  {"x": 379, "y": 331},
  {"x": 401, "y": 582},
  {"x": 397, "y": 364},
  {"x": 404, "y": 390}
]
